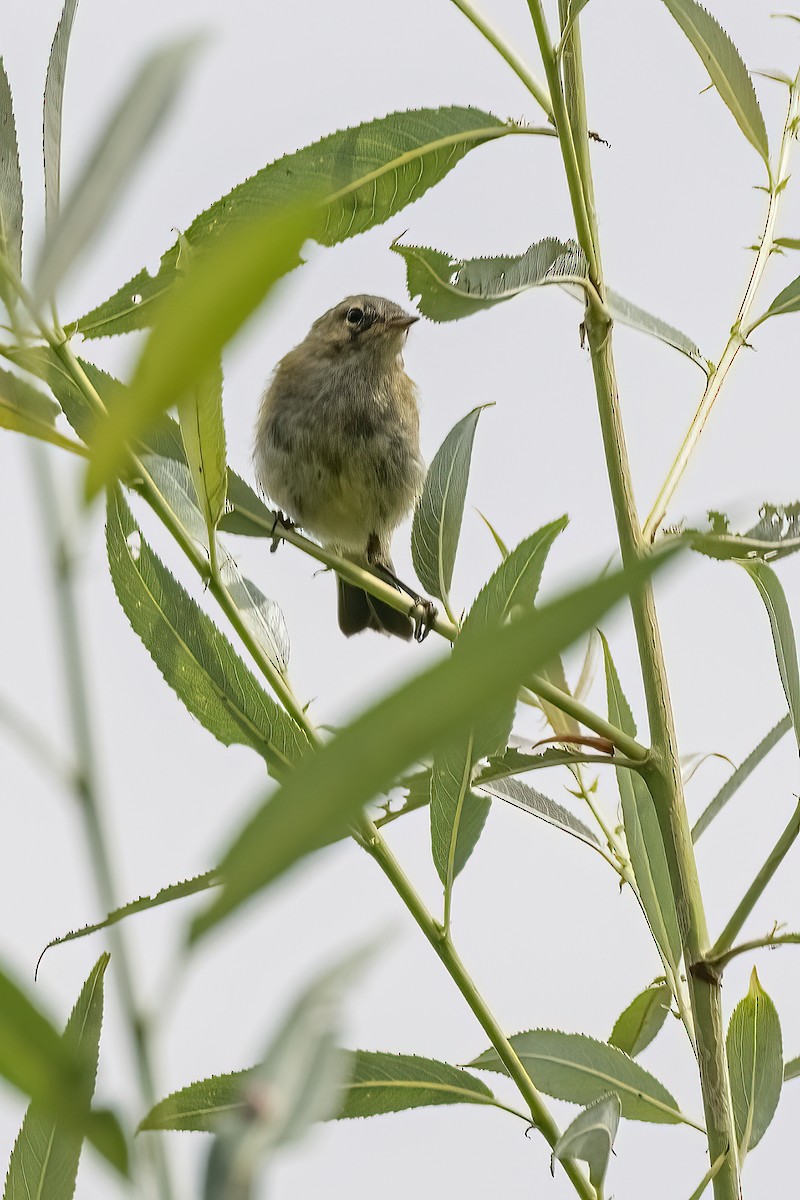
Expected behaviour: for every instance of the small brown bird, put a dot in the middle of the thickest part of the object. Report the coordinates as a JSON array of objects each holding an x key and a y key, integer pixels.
[{"x": 337, "y": 446}]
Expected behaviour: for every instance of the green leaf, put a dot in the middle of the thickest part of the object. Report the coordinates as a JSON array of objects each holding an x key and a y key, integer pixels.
[
  {"x": 207, "y": 306},
  {"x": 788, "y": 243},
  {"x": 572, "y": 1066},
  {"x": 448, "y": 288},
  {"x": 787, "y": 301},
  {"x": 195, "y": 659},
  {"x": 10, "y": 184},
  {"x": 44, "y": 1161},
  {"x": 457, "y": 814},
  {"x": 53, "y": 104},
  {"x": 437, "y": 520},
  {"x": 728, "y": 73},
  {"x": 359, "y": 177},
  {"x": 529, "y": 800},
  {"x": 643, "y": 833},
  {"x": 573, "y": 10},
  {"x": 742, "y": 772},
  {"x": 780, "y": 620},
  {"x": 114, "y": 157},
  {"x": 590, "y": 1138},
  {"x": 792, "y": 1069},
  {"x": 755, "y": 1063},
  {"x": 514, "y": 761},
  {"x": 775, "y": 535},
  {"x": 174, "y": 891},
  {"x": 636, "y": 1027},
  {"x": 326, "y": 791},
  {"x": 203, "y": 432},
  {"x": 24, "y": 409},
  {"x": 378, "y": 1083}
]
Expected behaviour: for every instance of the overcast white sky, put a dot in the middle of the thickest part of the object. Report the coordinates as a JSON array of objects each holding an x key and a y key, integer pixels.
[{"x": 539, "y": 921}]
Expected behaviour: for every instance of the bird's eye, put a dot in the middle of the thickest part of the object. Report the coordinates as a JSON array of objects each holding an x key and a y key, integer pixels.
[{"x": 354, "y": 316}]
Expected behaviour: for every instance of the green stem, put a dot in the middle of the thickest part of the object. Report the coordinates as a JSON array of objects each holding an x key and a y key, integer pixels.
[
  {"x": 662, "y": 770},
  {"x": 87, "y": 790},
  {"x": 536, "y": 89},
  {"x": 740, "y": 329},
  {"x": 756, "y": 889},
  {"x": 718, "y": 963}
]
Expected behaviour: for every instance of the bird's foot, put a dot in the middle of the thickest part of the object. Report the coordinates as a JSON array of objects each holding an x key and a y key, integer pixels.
[
  {"x": 423, "y": 614},
  {"x": 282, "y": 520}
]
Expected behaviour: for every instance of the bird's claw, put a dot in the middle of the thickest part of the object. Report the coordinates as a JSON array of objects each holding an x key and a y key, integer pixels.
[
  {"x": 423, "y": 614},
  {"x": 280, "y": 519}
]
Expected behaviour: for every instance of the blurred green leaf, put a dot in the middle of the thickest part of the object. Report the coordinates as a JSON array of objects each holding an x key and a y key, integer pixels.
[
  {"x": 114, "y": 157},
  {"x": 787, "y": 301},
  {"x": 203, "y": 432},
  {"x": 780, "y": 620},
  {"x": 358, "y": 177},
  {"x": 513, "y": 791},
  {"x": 636, "y": 1027},
  {"x": 377, "y": 1083},
  {"x": 728, "y": 73},
  {"x": 10, "y": 187},
  {"x": 755, "y": 1064},
  {"x": 437, "y": 519},
  {"x": 792, "y": 1069},
  {"x": 457, "y": 814},
  {"x": 643, "y": 833},
  {"x": 572, "y": 1066},
  {"x": 788, "y": 243},
  {"x": 44, "y": 1161},
  {"x": 53, "y": 104},
  {"x": 24, "y": 409},
  {"x": 328, "y": 789},
  {"x": 775, "y": 535},
  {"x": 195, "y": 659},
  {"x": 742, "y": 772},
  {"x": 590, "y": 1138}
]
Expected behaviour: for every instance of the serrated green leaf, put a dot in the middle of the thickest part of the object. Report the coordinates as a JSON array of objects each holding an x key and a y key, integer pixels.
[
  {"x": 378, "y": 1083},
  {"x": 775, "y": 535},
  {"x": 755, "y": 1064},
  {"x": 514, "y": 761},
  {"x": 457, "y": 813},
  {"x": 572, "y": 1066},
  {"x": 195, "y": 659},
  {"x": 780, "y": 621},
  {"x": 113, "y": 159},
  {"x": 359, "y": 177},
  {"x": 326, "y": 790},
  {"x": 449, "y": 288},
  {"x": 513, "y": 791},
  {"x": 44, "y": 1161},
  {"x": 728, "y": 73},
  {"x": 590, "y": 1138},
  {"x": 24, "y": 409},
  {"x": 53, "y": 105},
  {"x": 10, "y": 183},
  {"x": 203, "y": 433},
  {"x": 636, "y": 1027},
  {"x": 643, "y": 833},
  {"x": 437, "y": 519},
  {"x": 742, "y": 772}
]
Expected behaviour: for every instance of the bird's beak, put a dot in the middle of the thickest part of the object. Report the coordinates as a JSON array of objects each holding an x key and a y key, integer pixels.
[{"x": 402, "y": 322}]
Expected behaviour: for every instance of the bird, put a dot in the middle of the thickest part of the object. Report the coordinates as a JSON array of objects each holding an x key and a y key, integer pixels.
[{"x": 337, "y": 449}]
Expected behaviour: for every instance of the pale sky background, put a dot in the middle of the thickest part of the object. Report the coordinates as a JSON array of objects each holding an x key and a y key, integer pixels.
[{"x": 538, "y": 919}]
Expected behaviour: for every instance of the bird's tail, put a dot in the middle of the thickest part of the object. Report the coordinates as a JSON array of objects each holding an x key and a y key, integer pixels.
[{"x": 359, "y": 610}]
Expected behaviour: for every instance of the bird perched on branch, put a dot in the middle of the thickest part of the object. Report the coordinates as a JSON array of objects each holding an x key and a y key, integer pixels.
[{"x": 337, "y": 448}]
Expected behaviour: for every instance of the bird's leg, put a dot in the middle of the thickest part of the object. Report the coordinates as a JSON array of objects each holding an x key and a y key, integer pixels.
[
  {"x": 424, "y": 613},
  {"x": 280, "y": 519}
]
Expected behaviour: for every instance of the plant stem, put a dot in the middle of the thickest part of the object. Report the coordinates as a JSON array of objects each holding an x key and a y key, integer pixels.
[
  {"x": 718, "y": 964},
  {"x": 662, "y": 770},
  {"x": 756, "y": 889},
  {"x": 536, "y": 89},
  {"x": 377, "y": 848},
  {"x": 87, "y": 789},
  {"x": 740, "y": 329}
]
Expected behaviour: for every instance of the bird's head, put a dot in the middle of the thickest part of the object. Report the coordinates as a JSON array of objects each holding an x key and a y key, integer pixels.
[{"x": 363, "y": 325}]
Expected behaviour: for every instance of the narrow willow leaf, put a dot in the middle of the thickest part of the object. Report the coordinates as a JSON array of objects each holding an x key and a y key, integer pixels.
[
  {"x": 207, "y": 306},
  {"x": 573, "y": 9},
  {"x": 787, "y": 301},
  {"x": 174, "y": 891},
  {"x": 457, "y": 813},
  {"x": 327, "y": 789},
  {"x": 560, "y": 722},
  {"x": 691, "y": 763},
  {"x": 262, "y": 616},
  {"x": 743, "y": 772},
  {"x": 44, "y": 1161},
  {"x": 636, "y": 1027},
  {"x": 203, "y": 432},
  {"x": 780, "y": 621},
  {"x": 643, "y": 833},
  {"x": 24, "y": 409},
  {"x": 448, "y": 288},
  {"x": 498, "y": 541},
  {"x": 529, "y": 800},
  {"x": 788, "y": 243},
  {"x": 195, "y": 659},
  {"x": 572, "y": 1066},
  {"x": 10, "y": 184},
  {"x": 514, "y": 761},
  {"x": 791, "y": 1069},
  {"x": 775, "y": 534},
  {"x": 53, "y": 105},
  {"x": 378, "y": 1083},
  {"x": 359, "y": 177},
  {"x": 724, "y": 64},
  {"x": 590, "y": 1138},
  {"x": 437, "y": 520},
  {"x": 710, "y": 1174},
  {"x": 755, "y": 1063},
  {"x": 116, "y": 154}
]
